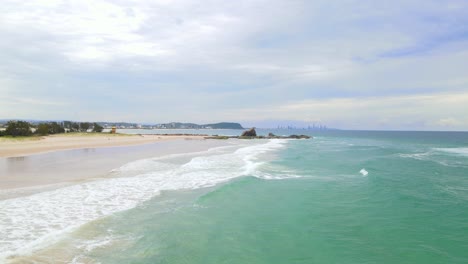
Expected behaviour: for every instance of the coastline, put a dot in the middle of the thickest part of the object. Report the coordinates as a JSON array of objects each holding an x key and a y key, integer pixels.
[
  {"x": 28, "y": 146},
  {"x": 56, "y": 162},
  {"x": 90, "y": 183}
]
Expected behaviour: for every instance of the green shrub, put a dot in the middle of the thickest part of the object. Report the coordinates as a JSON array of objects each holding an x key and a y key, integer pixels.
[
  {"x": 18, "y": 128},
  {"x": 42, "y": 129},
  {"x": 97, "y": 128}
]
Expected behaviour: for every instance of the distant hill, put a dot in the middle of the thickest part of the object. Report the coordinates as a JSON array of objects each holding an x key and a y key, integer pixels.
[{"x": 222, "y": 125}]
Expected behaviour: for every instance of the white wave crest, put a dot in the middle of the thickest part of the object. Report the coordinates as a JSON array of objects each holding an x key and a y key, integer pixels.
[
  {"x": 363, "y": 172},
  {"x": 276, "y": 176},
  {"x": 418, "y": 156},
  {"x": 32, "y": 222},
  {"x": 458, "y": 151}
]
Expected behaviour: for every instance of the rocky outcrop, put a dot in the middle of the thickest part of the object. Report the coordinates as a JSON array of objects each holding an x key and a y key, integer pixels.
[
  {"x": 299, "y": 136},
  {"x": 252, "y": 134},
  {"x": 249, "y": 133}
]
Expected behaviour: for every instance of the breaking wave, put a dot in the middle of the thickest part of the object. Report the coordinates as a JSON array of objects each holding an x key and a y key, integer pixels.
[{"x": 33, "y": 222}]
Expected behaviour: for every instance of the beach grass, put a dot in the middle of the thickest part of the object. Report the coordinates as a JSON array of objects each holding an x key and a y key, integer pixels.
[{"x": 20, "y": 138}]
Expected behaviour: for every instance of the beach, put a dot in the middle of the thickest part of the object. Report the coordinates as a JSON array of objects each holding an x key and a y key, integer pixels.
[
  {"x": 31, "y": 165},
  {"x": 246, "y": 201},
  {"x": 12, "y": 147},
  {"x": 77, "y": 179},
  {"x": 34, "y": 167}
]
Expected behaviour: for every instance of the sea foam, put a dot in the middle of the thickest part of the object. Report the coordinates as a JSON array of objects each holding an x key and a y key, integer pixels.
[
  {"x": 363, "y": 172},
  {"x": 32, "y": 222},
  {"x": 457, "y": 151}
]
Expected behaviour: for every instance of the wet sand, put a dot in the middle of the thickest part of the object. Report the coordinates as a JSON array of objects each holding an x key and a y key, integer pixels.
[
  {"x": 28, "y": 174},
  {"x": 26, "y": 146}
]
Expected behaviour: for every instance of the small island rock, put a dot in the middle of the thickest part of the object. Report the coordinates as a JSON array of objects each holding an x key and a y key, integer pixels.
[{"x": 249, "y": 133}]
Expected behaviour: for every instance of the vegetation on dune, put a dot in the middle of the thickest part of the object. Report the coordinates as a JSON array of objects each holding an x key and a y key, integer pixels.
[
  {"x": 9, "y": 138},
  {"x": 16, "y": 128},
  {"x": 97, "y": 128},
  {"x": 44, "y": 129}
]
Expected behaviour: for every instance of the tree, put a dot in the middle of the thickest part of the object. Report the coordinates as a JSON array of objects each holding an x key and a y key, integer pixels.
[
  {"x": 42, "y": 129},
  {"x": 18, "y": 128},
  {"x": 75, "y": 127},
  {"x": 97, "y": 128},
  {"x": 49, "y": 128},
  {"x": 55, "y": 128},
  {"x": 84, "y": 126},
  {"x": 67, "y": 124}
]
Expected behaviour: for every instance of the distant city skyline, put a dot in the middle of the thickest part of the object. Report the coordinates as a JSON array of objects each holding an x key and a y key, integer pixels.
[{"x": 399, "y": 65}]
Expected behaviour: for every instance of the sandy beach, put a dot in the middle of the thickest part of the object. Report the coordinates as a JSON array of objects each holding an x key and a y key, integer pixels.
[
  {"x": 11, "y": 147},
  {"x": 129, "y": 169},
  {"x": 31, "y": 165}
]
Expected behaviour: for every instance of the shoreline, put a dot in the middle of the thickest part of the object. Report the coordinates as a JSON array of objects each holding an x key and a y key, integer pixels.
[
  {"x": 11, "y": 147},
  {"x": 36, "y": 172},
  {"x": 71, "y": 188}
]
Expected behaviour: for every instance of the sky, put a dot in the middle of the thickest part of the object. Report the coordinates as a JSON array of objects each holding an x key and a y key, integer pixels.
[{"x": 364, "y": 64}]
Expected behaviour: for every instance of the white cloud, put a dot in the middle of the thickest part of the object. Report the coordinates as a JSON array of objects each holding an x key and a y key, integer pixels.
[
  {"x": 432, "y": 111},
  {"x": 226, "y": 55},
  {"x": 448, "y": 122}
]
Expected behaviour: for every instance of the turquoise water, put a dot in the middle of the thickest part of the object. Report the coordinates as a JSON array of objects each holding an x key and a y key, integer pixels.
[{"x": 298, "y": 201}]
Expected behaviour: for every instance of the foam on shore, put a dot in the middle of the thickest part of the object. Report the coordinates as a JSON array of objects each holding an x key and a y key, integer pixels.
[{"x": 33, "y": 222}]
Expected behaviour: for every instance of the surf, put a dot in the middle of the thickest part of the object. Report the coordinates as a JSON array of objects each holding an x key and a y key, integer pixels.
[{"x": 33, "y": 222}]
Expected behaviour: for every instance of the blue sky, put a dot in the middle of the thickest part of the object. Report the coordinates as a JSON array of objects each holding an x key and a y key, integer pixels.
[{"x": 348, "y": 64}]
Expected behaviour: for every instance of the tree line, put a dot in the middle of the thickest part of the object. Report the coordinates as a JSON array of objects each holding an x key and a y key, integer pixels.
[{"x": 22, "y": 128}]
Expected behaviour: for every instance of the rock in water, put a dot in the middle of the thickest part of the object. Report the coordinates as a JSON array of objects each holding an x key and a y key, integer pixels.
[
  {"x": 249, "y": 133},
  {"x": 299, "y": 136}
]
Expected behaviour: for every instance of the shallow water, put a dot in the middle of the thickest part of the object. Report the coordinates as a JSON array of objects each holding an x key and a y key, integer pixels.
[{"x": 278, "y": 201}]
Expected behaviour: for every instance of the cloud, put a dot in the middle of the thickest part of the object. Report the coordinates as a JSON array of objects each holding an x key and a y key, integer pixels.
[
  {"x": 427, "y": 112},
  {"x": 448, "y": 122},
  {"x": 203, "y": 61}
]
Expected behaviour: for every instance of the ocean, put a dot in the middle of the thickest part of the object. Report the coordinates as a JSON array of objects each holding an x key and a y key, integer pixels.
[{"x": 341, "y": 197}]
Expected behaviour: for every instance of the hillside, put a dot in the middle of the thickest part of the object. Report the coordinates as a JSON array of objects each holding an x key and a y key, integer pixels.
[{"x": 222, "y": 125}]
